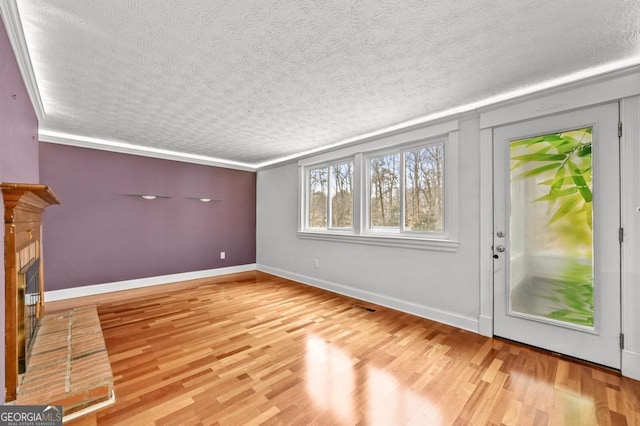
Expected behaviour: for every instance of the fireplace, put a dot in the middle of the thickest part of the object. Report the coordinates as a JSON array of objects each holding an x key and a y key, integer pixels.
[
  {"x": 29, "y": 304},
  {"x": 24, "y": 284}
]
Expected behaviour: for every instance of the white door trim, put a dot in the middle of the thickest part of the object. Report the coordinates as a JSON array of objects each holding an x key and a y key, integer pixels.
[
  {"x": 630, "y": 194},
  {"x": 486, "y": 232}
]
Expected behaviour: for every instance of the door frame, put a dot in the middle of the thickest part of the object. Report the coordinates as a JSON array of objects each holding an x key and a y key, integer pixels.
[
  {"x": 621, "y": 86},
  {"x": 600, "y": 342}
]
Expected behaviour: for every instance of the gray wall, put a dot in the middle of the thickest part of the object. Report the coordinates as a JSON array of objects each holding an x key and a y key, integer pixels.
[{"x": 429, "y": 281}]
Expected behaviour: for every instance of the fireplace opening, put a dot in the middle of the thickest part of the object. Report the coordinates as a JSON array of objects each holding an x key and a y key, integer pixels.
[{"x": 29, "y": 304}]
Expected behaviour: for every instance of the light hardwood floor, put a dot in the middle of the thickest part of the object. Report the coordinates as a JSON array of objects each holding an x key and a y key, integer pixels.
[{"x": 258, "y": 349}]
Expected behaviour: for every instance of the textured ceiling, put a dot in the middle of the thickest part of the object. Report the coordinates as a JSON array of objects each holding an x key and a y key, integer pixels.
[{"x": 256, "y": 80}]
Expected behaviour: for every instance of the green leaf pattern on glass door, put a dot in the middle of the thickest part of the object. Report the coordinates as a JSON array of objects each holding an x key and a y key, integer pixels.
[{"x": 551, "y": 175}]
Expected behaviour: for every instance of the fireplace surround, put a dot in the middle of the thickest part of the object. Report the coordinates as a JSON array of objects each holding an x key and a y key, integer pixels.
[{"x": 24, "y": 304}]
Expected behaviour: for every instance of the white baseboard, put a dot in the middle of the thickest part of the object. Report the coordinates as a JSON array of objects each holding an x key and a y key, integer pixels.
[
  {"x": 90, "y": 290},
  {"x": 450, "y": 318},
  {"x": 486, "y": 326},
  {"x": 631, "y": 364}
]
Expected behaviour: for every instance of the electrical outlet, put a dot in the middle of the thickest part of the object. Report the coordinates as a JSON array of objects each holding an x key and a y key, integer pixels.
[
  {"x": 222, "y": 255},
  {"x": 316, "y": 263}
]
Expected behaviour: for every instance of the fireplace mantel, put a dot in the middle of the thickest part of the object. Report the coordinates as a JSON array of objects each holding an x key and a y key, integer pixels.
[{"x": 23, "y": 207}]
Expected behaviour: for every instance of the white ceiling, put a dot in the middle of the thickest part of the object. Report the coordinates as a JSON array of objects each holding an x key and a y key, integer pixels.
[{"x": 253, "y": 81}]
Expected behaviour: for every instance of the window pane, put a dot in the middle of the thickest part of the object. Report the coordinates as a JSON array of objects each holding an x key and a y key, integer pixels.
[
  {"x": 318, "y": 198},
  {"x": 551, "y": 227},
  {"x": 423, "y": 194},
  {"x": 385, "y": 191},
  {"x": 342, "y": 195}
]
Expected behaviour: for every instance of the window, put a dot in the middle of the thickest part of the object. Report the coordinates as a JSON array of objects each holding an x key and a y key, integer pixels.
[
  {"x": 341, "y": 195},
  {"x": 406, "y": 190},
  {"x": 424, "y": 189},
  {"x": 330, "y": 194},
  {"x": 318, "y": 191},
  {"x": 384, "y": 187},
  {"x": 394, "y": 194}
]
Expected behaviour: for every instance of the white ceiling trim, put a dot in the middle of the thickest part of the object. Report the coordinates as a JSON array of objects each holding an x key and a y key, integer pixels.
[
  {"x": 610, "y": 87},
  {"x": 431, "y": 130},
  {"x": 11, "y": 17},
  {"x": 607, "y": 71},
  {"x": 127, "y": 148},
  {"x": 13, "y": 24}
]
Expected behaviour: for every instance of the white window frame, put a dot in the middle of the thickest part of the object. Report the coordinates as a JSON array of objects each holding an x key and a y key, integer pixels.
[
  {"x": 401, "y": 230},
  {"x": 307, "y": 198},
  {"x": 400, "y": 141}
]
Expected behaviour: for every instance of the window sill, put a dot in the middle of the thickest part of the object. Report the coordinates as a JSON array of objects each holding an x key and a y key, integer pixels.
[{"x": 383, "y": 240}]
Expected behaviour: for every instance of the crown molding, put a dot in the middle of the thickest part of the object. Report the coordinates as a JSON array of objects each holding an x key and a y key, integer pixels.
[
  {"x": 127, "y": 148},
  {"x": 615, "y": 72},
  {"x": 13, "y": 25},
  {"x": 607, "y": 83},
  {"x": 622, "y": 76}
]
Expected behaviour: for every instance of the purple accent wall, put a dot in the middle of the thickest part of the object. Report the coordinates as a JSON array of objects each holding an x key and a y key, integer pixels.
[
  {"x": 18, "y": 121},
  {"x": 99, "y": 234},
  {"x": 18, "y": 143}
]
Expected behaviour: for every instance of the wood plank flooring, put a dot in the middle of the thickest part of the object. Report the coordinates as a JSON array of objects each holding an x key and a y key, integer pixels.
[{"x": 263, "y": 350}]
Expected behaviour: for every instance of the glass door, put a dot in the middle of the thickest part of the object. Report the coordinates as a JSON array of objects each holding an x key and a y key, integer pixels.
[{"x": 556, "y": 248}]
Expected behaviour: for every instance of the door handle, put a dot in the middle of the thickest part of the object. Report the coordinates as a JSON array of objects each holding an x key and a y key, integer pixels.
[{"x": 500, "y": 249}]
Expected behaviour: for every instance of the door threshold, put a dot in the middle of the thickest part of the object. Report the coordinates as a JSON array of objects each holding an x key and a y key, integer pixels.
[{"x": 561, "y": 356}]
